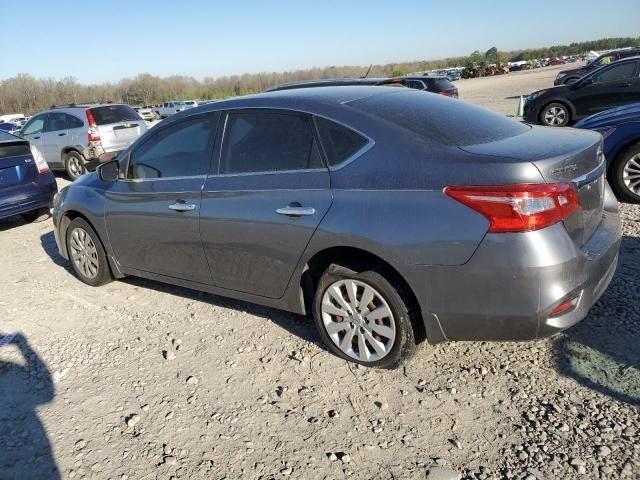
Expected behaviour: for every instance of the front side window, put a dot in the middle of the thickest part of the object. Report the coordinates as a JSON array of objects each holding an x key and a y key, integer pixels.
[
  {"x": 616, "y": 73},
  {"x": 269, "y": 142},
  {"x": 180, "y": 150},
  {"x": 35, "y": 125}
]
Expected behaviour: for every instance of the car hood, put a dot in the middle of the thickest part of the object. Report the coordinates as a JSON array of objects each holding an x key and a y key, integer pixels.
[
  {"x": 553, "y": 91},
  {"x": 571, "y": 70},
  {"x": 614, "y": 116}
]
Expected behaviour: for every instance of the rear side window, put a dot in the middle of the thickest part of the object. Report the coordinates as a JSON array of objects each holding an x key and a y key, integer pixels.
[
  {"x": 114, "y": 114},
  {"x": 14, "y": 149},
  {"x": 339, "y": 142},
  {"x": 269, "y": 142},
  {"x": 73, "y": 122},
  {"x": 616, "y": 73},
  {"x": 441, "y": 119},
  {"x": 56, "y": 121},
  {"x": 180, "y": 150}
]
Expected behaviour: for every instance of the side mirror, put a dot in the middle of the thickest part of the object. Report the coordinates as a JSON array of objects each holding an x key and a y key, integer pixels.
[{"x": 108, "y": 172}]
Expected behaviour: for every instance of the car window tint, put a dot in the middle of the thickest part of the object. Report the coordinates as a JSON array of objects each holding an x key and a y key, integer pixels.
[
  {"x": 616, "y": 72},
  {"x": 35, "y": 125},
  {"x": 56, "y": 121},
  {"x": 108, "y": 114},
  {"x": 73, "y": 122},
  {"x": 180, "y": 150},
  {"x": 267, "y": 142},
  {"x": 441, "y": 119},
  {"x": 339, "y": 142}
]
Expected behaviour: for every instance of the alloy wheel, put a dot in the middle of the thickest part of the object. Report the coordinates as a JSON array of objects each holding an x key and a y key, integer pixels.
[
  {"x": 358, "y": 320},
  {"x": 75, "y": 167},
  {"x": 84, "y": 253},
  {"x": 555, "y": 116},
  {"x": 631, "y": 174}
]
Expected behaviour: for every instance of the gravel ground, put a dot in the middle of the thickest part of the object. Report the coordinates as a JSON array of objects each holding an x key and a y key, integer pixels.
[{"x": 140, "y": 380}]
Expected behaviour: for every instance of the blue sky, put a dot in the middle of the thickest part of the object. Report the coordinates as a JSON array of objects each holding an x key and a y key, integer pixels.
[{"x": 109, "y": 40}]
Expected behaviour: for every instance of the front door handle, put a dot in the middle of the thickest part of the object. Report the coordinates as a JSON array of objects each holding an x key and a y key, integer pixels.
[
  {"x": 296, "y": 211},
  {"x": 62, "y": 134},
  {"x": 182, "y": 207},
  {"x": 36, "y": 138}
]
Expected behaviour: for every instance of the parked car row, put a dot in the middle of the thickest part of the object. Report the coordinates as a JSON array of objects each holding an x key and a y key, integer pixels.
[{"x": 605, "y": 99}]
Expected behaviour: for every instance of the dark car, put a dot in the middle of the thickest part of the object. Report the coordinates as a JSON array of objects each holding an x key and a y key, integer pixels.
[
  {"x": 620, "y": 128},
  {"x": 391, "y": 215},
  {"x": 27, "y": 186},
  {"x": 432, "y": 83},
  {"x": 566, "y": 77},
  {"x": 607, "y": 87}
]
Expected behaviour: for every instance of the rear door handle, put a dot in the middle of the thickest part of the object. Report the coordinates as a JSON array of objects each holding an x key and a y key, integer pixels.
[
  {"x": 296, "y": 211},
  {"x": 61, "y": 134},
  {"x": 182, "y": 207},
  {"x": 36, "y": 138}
]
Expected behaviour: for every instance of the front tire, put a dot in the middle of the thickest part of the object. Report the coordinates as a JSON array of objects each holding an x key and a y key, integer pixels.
[
  {"x": 625, "y": 178},
  {"x": 363, "y": 318},
  {"x": 86, "y": 254},
  {"x": 74, "y": 164},
  {"x": 555, "y": 115},
  {"x": 35, "y": 216}
]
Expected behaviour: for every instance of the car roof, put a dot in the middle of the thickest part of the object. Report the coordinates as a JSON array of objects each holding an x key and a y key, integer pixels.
[{"x": 329, "y": 94}]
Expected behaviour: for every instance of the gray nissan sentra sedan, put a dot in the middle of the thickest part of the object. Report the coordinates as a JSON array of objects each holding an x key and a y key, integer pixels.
[{"x": 391, "y": 215}]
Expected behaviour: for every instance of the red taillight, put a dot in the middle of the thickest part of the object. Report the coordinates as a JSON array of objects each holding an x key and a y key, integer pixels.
[
  {"x": 94, "y": 135},
  {"x": 519, "y": 208}
]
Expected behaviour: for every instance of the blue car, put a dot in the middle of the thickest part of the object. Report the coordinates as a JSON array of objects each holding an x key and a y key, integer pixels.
[
  {"x": 620, "y": 128},
  {"x": 27, "y": 186}
]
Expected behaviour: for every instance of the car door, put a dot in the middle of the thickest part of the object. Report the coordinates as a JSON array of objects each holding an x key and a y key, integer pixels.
[
  {"x": 265, "y": 201},
  {"x": 152, "y": 212},
  {"x": 54, "y": 137},
  {"x": 606, "y": 88},
  {"x": 76, "y": 130},
  {"x": 34, "y": 129}
]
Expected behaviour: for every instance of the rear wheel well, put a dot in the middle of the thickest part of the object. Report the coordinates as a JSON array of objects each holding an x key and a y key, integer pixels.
[
  {"x": 357, "y": 258},
  {"x": 66, "y": 150}
]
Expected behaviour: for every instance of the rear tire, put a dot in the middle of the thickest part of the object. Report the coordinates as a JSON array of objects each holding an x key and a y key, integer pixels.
[
  {"x": 555, "y": 114},
  {"x": 625, "y": 174},
  {"x": 385, "y": 340},
  {"x": 86, "y": 254},
  {"x": 74, "y": 164},
  {"x": 35, "y": 216}
]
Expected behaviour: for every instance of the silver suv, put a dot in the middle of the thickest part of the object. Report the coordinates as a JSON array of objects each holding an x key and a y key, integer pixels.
[{"x": 70, "y": 137}]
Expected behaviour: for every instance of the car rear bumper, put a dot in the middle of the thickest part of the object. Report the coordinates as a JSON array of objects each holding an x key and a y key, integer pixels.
[
  {"x": 32, "y": 196},
  {"x": 513, "y": 282}
]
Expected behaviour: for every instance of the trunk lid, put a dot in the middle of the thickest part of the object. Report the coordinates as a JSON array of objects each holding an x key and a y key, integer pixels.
[
  {"x": 562, "y": 156},
  {"x": 17, "y": 166}
]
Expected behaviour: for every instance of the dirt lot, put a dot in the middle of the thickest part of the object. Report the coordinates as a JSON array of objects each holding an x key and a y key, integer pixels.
[{"x": 142, "y": 380}]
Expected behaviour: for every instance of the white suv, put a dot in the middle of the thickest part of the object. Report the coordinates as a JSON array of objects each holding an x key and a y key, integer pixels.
[{"x": 70, "y": 137}]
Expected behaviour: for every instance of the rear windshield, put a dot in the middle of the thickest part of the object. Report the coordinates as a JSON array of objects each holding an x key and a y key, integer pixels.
[
  {"x": 113, "y": 114},
  {"x": 441, "y": 84},
  {"x": 14, "y": 149},
  {"x": 445, "y": 120}
]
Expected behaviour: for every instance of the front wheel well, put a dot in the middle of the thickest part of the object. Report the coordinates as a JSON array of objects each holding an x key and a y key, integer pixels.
[
  {"x": 567, "y": 105},
  {"x": 352, "y": 257}
]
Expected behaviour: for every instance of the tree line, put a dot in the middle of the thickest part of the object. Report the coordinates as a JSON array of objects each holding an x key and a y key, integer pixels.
[{"x": 26, "y": 94}]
